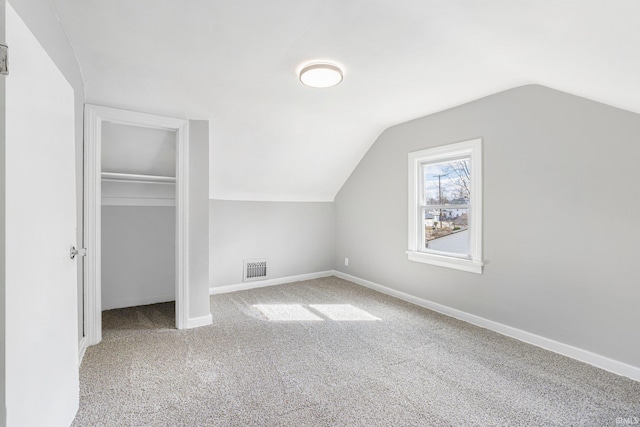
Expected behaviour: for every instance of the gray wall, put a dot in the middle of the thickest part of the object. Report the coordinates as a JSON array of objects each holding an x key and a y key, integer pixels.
[
  {"x": 138, "y": 255},
  {"x": 296, "y": 237},
  {"x": 138, "y": 150},
  {"x": 561, "y": 189},
  {"x": 198, "y": 219}
]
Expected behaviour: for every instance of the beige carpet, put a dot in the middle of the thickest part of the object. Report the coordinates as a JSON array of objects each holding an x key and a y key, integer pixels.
[{"x": 327, "y": 352}]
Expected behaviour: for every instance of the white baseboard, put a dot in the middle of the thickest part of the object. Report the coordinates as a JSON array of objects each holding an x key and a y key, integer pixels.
[
  {"x": 82, "y": 348},
  {"x": 199, "y": 321},
  {"x": 270, "y": 282},
  {"x": 132, "y": 302},
  {"x": 619, "y": 368}
]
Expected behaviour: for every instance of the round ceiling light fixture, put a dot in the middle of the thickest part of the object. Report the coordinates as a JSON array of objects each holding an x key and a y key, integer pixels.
[{"x": 320, "y": 74}]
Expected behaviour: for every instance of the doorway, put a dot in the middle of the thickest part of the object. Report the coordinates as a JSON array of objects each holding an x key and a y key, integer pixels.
[{"x": 133, "y": 183}]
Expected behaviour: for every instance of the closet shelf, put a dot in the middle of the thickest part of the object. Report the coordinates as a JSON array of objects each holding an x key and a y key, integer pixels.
[{"x": 130, "y": 177}]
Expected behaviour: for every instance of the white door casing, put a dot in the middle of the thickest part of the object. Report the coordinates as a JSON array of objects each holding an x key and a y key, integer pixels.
[{"x": 94, "y": 117}]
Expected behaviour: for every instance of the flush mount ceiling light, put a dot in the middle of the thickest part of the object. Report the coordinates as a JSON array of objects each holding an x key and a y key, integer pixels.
[{"x": 320, "y": 74}]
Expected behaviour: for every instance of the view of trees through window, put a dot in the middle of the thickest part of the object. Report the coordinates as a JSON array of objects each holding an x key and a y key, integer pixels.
[{"x": 447, "y": 191}]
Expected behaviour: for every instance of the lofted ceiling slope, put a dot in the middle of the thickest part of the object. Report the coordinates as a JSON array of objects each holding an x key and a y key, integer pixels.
[{"x": 234, "y": 62}]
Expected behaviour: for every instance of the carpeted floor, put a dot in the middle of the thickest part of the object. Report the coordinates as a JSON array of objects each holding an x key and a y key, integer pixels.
[{"x": 327, "y": 352}]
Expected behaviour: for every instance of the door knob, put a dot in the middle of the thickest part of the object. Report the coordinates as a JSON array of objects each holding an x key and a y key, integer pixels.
[{"x": 80, "y": 252}]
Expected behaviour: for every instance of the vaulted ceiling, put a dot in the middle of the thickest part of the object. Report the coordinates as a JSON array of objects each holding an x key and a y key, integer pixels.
[{"x": 235, "y": 63}]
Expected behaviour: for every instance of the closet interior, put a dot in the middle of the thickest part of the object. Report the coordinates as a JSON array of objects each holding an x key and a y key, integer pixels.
[{"x": 138, "y": 216}]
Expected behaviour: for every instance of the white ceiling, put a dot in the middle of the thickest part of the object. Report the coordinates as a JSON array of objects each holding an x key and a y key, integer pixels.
[{"x": 234, "y": 62}]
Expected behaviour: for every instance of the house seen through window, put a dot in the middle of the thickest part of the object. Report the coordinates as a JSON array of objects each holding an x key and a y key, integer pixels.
[{"x": 447, "y": 196}]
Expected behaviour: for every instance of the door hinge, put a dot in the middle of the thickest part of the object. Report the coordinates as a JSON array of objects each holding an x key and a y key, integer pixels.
[
  {"x": 79, "y": 252},
  {"x": 4, "y": 59}
]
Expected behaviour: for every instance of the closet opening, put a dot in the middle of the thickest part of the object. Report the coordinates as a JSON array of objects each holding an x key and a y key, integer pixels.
[{"x": 138, "y": 226}]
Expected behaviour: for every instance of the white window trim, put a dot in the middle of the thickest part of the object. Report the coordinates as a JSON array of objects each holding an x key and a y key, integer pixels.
[{"x": 472, "y": 148}]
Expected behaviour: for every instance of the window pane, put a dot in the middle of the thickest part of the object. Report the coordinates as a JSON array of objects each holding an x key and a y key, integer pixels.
[
  {"x": 447, "y": 230},
  {"x": 447, "y": 182}
]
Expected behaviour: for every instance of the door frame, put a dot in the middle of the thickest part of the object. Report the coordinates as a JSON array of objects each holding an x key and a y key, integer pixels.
[{"x": 95, "y": 115}]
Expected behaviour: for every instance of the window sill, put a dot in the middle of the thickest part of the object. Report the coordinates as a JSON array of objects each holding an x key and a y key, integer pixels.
[{"x": 445, "y": 261}]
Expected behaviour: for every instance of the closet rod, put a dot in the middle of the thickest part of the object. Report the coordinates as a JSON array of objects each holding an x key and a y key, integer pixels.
[{"x": 130, "y": 177}]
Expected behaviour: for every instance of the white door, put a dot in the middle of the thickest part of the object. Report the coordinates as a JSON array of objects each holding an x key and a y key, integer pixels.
[{"x": 41, "y": 281}]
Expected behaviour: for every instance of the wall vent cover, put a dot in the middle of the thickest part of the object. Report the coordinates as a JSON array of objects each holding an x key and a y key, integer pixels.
[{"x": 254, "y": 269}]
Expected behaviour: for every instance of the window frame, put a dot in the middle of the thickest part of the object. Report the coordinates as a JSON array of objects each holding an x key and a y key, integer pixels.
[{"x": 472, "y": 149}]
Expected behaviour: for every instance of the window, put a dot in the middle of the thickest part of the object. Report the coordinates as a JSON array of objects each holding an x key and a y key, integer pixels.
[{"x": 445, "y": 206}]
